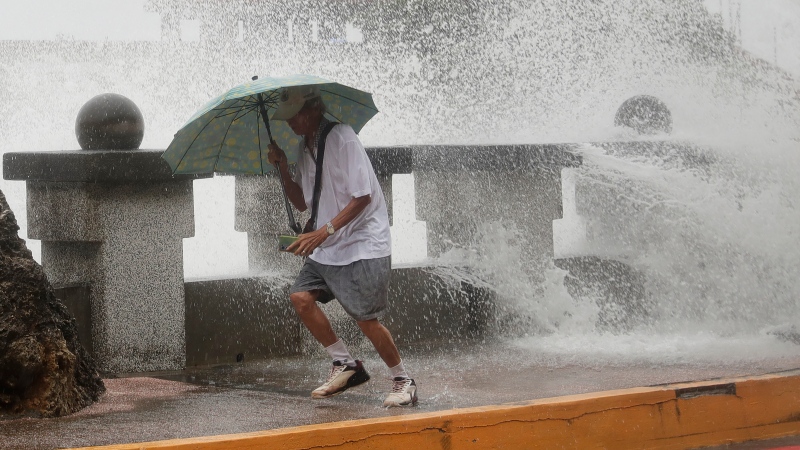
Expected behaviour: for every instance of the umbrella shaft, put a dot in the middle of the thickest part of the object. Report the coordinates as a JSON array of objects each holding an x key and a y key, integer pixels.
[
  {"x": 292, "y": 223},
  {"x": 263, "y": 110}
]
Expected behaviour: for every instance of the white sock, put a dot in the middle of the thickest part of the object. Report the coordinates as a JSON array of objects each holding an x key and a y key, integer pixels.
[
  {"x": 398, "y": 371},
  {"x": 338, "y": 352}
]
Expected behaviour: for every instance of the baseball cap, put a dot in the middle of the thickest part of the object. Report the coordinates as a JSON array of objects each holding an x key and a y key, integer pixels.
[{"x": 292, "y": 99}]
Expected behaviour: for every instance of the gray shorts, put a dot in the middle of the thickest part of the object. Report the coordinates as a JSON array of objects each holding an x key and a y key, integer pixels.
[{"x": 362, "y": 287}]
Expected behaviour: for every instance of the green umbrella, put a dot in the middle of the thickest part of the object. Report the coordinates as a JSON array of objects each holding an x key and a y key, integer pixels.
[{"x": 231, "y": 132}]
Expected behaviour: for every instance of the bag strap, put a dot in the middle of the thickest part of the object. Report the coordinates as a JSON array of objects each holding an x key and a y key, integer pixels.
[{"x": 312, "y": 222}]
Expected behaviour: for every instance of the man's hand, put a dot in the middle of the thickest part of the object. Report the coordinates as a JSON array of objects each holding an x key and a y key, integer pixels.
[
  {"x": 277, "y": 157},
  {"x": 307, "y": 242}
]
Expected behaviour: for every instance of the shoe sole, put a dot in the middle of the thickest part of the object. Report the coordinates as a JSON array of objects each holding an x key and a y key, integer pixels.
[{"x": 357, "y": 379}]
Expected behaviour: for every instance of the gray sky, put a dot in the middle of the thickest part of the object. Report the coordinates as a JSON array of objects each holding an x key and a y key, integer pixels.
[
  {"x": 770, "y": 29},
  {"x": 94, "y": 20}
]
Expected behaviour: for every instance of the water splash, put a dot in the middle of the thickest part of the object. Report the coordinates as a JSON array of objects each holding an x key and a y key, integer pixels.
[{"x": 717, "y": 241}]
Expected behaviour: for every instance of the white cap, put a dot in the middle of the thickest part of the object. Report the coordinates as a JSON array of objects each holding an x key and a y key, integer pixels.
[{"x": 292, "y": 99}]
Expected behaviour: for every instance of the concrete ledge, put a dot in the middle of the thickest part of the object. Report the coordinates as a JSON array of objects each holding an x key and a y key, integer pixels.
[
  {"x": 494, "y": 158},
  {"x": 670, "y": 153},
  {"x": 91, "y": 166},
  {"x": 390, "y": 160},
  {"x": 674, "y": 416}
]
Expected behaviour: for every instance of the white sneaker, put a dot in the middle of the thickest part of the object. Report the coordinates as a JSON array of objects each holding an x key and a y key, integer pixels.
[
  {"x": 404, "y": 393},
  {"x": 341, "y": 378}
]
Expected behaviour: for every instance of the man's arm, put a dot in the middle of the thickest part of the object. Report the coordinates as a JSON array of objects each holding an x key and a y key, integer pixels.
[
  {"x": 306, "y": 243},
  {"x": 350, "y": 212},
  {"x": 294, "y": 192}
]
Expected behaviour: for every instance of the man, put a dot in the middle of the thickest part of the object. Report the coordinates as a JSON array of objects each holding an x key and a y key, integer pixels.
[{"x": 349, "y": 255}]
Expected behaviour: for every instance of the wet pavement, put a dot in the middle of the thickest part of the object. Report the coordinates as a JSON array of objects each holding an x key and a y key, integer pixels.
[{"x": 254, "y": 396}]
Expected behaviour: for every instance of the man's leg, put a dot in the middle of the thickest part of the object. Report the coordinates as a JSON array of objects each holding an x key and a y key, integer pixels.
[
  {"x": 312, "y": 316},
  {"x": 382, "y": 341},
  {"x": 404, "y": 389},
  {"x": 346, "y": 372}
]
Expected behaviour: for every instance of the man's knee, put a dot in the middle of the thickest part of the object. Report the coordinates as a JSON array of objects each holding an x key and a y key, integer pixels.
[
  {"x": 369, "y": 325},
  {"x": 303, "y": 301}
]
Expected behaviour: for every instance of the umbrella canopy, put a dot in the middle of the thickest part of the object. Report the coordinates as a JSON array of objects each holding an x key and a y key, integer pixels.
[{"x": 229, "y": 134}]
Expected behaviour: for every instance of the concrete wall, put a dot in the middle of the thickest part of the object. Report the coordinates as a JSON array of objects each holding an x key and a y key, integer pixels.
[
  {"x": 254, "y": 318},
  {"x": 239, "y": 319}
]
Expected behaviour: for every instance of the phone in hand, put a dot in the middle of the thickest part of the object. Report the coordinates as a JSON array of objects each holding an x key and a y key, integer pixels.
[{"x": 284, "y": 241}]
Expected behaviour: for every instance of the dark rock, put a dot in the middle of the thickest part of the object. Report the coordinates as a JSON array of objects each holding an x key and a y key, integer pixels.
[
  {"x": 109, "y": 122},
  {"x": 43, "y": 368}
]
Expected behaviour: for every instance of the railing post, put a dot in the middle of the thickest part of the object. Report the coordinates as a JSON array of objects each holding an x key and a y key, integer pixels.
[
  {"x": 459, "y": 188},
  {"x": 115, "y": 220}
]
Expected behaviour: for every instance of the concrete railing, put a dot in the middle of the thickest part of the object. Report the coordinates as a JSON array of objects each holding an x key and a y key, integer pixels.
[{"x": 112, "y": 224}]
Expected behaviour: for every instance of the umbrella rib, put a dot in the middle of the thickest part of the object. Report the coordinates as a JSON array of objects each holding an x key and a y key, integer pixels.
[
  {"x": 193, "y": 141},
  {"x": 228, "y": 113},
  {"x": 247, "y": 107},
  {"x": 248, "y": 100},
  {"x": 350, "y": 99},
  {"x": 233, "y": 109},
  {"x": 227, "y": 108},
  {"x": 221, "y": 144},
  {"x": 234, "y": 105},
  {"x": 273, "y": 97},
  {"x": 245, "y": 111},
  {"x": 337, "y": 118}
]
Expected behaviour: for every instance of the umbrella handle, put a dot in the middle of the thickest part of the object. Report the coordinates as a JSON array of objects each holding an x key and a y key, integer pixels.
[{"x": 292, "y": 223}]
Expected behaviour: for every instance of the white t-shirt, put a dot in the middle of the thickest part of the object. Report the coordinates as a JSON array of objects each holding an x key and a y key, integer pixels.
[{"x": 346, "y": 174}]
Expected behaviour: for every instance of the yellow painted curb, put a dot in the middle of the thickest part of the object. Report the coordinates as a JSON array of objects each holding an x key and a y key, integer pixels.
[{"x": 674, "y": 416}]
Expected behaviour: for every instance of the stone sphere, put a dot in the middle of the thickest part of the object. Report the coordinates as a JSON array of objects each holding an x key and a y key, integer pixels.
[
  {"x": 109, "y": 122},
  {"x": 645, "y": 114}
]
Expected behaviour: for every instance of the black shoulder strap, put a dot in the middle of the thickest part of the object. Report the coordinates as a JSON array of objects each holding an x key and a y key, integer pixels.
[{"x": 311, "y": 225}]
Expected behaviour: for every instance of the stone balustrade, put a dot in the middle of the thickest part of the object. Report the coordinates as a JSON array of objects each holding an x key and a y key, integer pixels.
[{"x": 112, "y": 223}]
